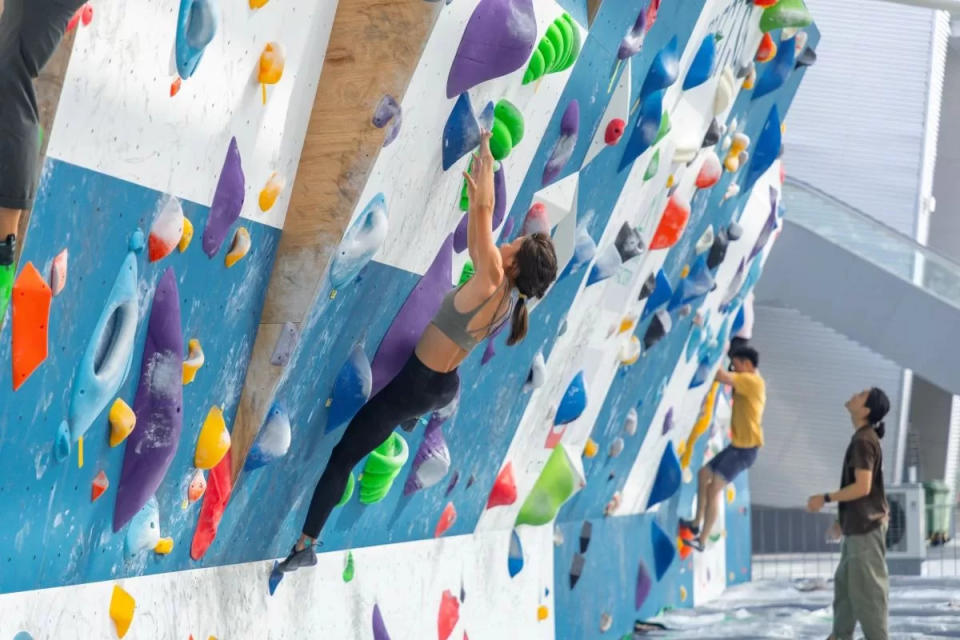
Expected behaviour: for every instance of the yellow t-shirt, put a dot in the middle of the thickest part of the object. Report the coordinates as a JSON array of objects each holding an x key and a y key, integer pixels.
[{"x": 749, "y": 398}]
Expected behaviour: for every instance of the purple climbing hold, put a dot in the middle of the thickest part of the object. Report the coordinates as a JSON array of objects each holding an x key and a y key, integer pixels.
[
  {"x": 566, "y": 143},
  {"x": 379, "y": 628},
  {"x": 490, "y": 349},
  {"x": 633, "y": 41},
  {"x": 499, "y": 210},
  {"x": 386, "y": 110},
  {"x": 768, "y": 227},
  {"x": 453, "y": 483},
  {"x": 667, "y": 422},
  {"x": 227, "y": 201},
  {"x": 461, "y": 133},
  {"x": 414, "y": 316},
  {"x": 644, "y": 585},
  {"x": 497, "y": 40},
  {"x": 432, "y": 461},
  {"x": 286, "y": 343},
  {"x": 158, "y": 405}
]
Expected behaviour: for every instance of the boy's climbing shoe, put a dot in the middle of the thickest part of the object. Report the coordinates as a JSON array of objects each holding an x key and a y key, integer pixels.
[
  {"x": 695, "y": 543},
  {"x": 8, "y": 247},
  {"x": 305, "y": 557},
  {"x": 687, "y": 524}
]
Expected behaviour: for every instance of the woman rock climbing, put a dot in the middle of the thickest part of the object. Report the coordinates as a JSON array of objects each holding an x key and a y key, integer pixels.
[
  {"x": 505, "y": 277},
  {"x": 30, "y": 31},
  {"x": 861, "y": 586}
]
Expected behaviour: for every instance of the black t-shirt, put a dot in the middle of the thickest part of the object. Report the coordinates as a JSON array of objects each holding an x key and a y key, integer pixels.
[{"x": 867, "y": 513}]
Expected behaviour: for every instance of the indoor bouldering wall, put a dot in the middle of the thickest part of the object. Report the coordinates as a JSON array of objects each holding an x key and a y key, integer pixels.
[{"x": 644, "y": 135}]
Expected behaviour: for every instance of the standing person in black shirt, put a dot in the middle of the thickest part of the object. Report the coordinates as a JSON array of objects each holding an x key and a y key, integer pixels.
[{"x": 861, "y": 586}]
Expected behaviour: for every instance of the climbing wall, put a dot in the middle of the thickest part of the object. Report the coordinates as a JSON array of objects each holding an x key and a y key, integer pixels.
[{"x": 644, "y": 135}]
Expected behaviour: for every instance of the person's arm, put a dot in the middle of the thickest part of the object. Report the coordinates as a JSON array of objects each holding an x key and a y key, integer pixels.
[
  {"x": 725, "y": 377},
  {"x": 487, "y": 261},
  {"x": 864, "y": 458}
]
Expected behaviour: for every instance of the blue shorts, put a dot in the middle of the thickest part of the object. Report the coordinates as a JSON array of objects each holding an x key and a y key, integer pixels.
[{"x": 733, "y": 460}]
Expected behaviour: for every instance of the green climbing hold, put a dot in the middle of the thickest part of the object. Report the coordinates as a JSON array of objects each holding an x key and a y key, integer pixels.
[
  {"x": 664, "y": 127},
  {"x": 464, "y": 195},
  {"x": 348, "y": 568},
  {"x": 347, "y": 491},
  {"x": 557, "y": 50},
  {"x": 507, "y": 113},
  {"x": 561, "y": 477},
  {"x": 501, "y": 142},
  {"x": 383, "y": 466},
  {"x": 653, "y": 167},
  {"x": 467, "y": 273},
  {"x": 786, "y": 14}
]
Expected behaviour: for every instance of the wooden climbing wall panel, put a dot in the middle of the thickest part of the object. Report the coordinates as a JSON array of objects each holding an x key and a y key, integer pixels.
[{"x": 374, "y": 47}]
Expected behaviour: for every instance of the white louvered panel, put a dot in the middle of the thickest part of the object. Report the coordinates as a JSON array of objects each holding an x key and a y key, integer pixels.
[
  {"x": 953, "y": 449},
  {"x": 856, "y": 128},
  {"x": 811, "y": 371}
]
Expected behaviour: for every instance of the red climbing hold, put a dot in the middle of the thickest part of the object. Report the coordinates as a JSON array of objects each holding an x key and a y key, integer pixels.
[
  {"x": 767, "y": 49},
  {"x": 86, "y": 14},
  {"x": 686, "y": 535},
  {"x": 449, "y": 615},
  {"x": 504, "y": 489},
  {"x": 672, "y": 223},
  {"x": 765, "y": 3},
  {"x": 447, "y": 518},
  {"x": 31, "y": 317},
  {"x": 100, "y": 484},
  {"x": 215, "y": 501},
  {"x": 74, "y": 20},
  {"x": 175, "y": 87},
  {"x": 614, "y": 131}
]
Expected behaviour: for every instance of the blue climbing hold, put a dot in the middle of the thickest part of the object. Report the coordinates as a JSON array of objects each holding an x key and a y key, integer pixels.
[
  {"x": 669, "y": 476},
  {"x": 61, "y": 447},
  {"x": 645, "y": 132},
  {"x": 351, "y": 389},
  {"x": 143, "y": 532},
  {"x": 605, "y": 266},
  {"x": 738, "y": 321},
  {"x": 196, "y": 26},
  {"x": 661, "y": 295},
  {"x": 515, "y": 557},
  {"x": 663, "y": 70},
  {"x": 663, "y": 550},
  {"x": 360, "y": 243},
  {"x": 485, "y": 119},
  {"x": 702, "y": 66},
  {"x": 584, "y": 250},
  {"x": 778, "y": 69},
  {"x": 574, "y": 401},
  {"x": 765, "y": 151},
  {"x": 272, "y": 442},
  {"x": 698, "y": 283},
  {"x": 275, "y": 577},
  {"x": 138, "y": 240},
  {"x": 461, "y": 134}
]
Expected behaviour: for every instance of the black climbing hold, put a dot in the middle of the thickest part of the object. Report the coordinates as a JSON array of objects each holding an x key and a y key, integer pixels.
[
  {"x": 470, "y": 481},
  {"x": 585, "y": 532},
  {"x": 734, "y": 231},
  {"x": 719, "y": 249},
  {"x": 659, "y": 327},
  {"x": 648, "y": 287},
  {"x": 629, "y": 243},
  {"x": 576, "y": 569},
  {"x": 712, "y": 136},
  {"x": 806, "y": 58}
]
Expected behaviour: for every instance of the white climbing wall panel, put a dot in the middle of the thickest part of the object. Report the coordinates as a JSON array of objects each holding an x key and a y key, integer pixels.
[{"x": 122, "y": 67}]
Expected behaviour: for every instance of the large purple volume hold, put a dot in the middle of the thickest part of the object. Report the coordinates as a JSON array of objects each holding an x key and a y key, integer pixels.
[
  {"x": 499, "y": 210},
  {"x": 227, "y": 201},
  {"x": 414, "y": 316},
  {"x": 158, "y": 405},
  {"x": 498, "y": 39}
]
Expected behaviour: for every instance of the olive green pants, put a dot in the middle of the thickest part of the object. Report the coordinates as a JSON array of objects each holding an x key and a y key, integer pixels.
[{"x": 861, "y": 586}]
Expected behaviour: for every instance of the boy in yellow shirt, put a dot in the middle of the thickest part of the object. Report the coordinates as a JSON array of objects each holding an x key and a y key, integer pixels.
[{"x": 749, "y": 398}]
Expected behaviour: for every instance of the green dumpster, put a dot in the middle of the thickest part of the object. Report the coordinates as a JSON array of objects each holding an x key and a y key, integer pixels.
[{"x": 938, "y": 509}]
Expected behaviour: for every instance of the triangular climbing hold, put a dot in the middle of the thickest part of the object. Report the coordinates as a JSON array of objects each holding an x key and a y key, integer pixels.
[
  {"x": 448, "y": 616},
  {"x": 644, "y": 584},
  {"x": 663, "y": 550},
  {"x": 447, "y": 519},
  {"x": 122, "y": 605},
  {"x": 515, "y": 555},
  {"x": 668, "y": 479},
  {"x": 31, "y": 319},
  {"x": 504, "y": 491},
  {"x": 100, "y": 484}
]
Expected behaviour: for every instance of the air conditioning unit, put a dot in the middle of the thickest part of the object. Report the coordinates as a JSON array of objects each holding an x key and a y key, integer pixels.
[{"x": 906, "y": 537}]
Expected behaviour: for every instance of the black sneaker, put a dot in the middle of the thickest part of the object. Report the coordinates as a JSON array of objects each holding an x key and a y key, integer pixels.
[
  {"x": 8, "y": 247},
  {"x": 306, "y": 557},
  {"x": 695, "y": 543},
  {"x": 687, "y": 524}
]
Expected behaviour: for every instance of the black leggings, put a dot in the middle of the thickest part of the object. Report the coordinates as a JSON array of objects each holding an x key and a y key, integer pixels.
[
  {"x": 415, "y": 391},
  {"x": 30, "y": 31}
]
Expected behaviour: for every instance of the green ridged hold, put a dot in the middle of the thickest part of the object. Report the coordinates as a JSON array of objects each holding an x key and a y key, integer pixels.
[
  {"x": 347, "y": 491},
  {"x": 557, "y": 50},
  {"x": 786, "y": 14},
  {"x": 501, "y": 142},
  {"x": 382, "y": 468},
  {"x": 507, "y": 112},
  {"x": 467, "y": 273}
]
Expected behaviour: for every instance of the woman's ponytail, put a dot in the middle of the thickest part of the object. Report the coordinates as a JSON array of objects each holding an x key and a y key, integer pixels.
[
  {"x": 878, "y": 404},
  {"x": 518, "y": 321},
  {"x": 880, "y": 428}
]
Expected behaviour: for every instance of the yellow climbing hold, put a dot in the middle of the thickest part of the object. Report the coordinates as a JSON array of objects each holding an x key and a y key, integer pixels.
[
  {"x": 271, "y": 67},
  {"x": 670, "y": 181},
  {"x": 683, "y": 593},
  {"x": 731, "y": 493},
  {"x": 122, "y": 605},
  {"x": 685, "y": 271},
  {"x": 187, "y": 235},
  {"x": 630, "y": 352},
  {"x": 239, "y": 248},
  {"x": 700, "y": 426},
  {"x": 270, "y": 192},
  {"x": 122, "y": 421},
  {"x": 628, "y": 323},
  {"x": 738, "y": 145},
  {"x": 193, "y": 362},
  {"x": 542, "y": 613},
  {"x": 214, "y": 440},
  {"x": 257, "y": 4},
  {"x": 80, "y": 452},
  {"x": 590, "y": 449},
  {"x": 164, "y": 546},
  {"x": 681, "y": 449}
]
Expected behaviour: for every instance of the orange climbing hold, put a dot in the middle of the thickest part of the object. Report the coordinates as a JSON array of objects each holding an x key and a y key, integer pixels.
[
  {"x": 759, "y": 3},
  {"x": 211, "y": 511},
  {"x": 175, "y": 86},
  {"x": 100, "y": 484},
  {"x": 198, "y": 484},
  {"x": 590, "y": 449},
  {"x": 122, "y": 605},
  {"x": 164, "y": 546},
  {"x": 270, "y": 192},
  {"x": 31, "y": 316},
  {"x": 271, "y": 67},
  {"x": 239, "y": 248},
  {"x": 685, "y": 535},
  {"x": 193, "y": 362},
  {"x": 767, "y": 49},
  {"x": 449, "y": 615},
  {"x": 672, "y": 223},
  {"x": 187, "y": 235},
  {"x": 542, "y": 613},
  {"x": 447, "y": 518},
  {"x": 257, "y": 4},
  {"x": 122, "y": 421},
  {"x": 504, "y": 489}
]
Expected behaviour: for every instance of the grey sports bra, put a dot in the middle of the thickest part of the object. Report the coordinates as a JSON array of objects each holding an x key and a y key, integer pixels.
[{"x": 454, "y": 324}]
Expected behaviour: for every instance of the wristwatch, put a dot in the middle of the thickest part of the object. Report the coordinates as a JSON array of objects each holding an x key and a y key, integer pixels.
[{"x": 826, "y": 497}]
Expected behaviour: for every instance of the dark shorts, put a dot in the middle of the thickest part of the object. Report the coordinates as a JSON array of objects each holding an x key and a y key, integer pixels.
[
  {"x": 733, "y": 460},
  {"x": 30, "y": 31}
]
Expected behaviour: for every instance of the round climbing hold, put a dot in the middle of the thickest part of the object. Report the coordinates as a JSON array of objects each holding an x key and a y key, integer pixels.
[
  {"x": 193, "y": 362},
  {"x": 614, "y": 131},
  {"x": 683, "y": 593},
  {"x": 710, "y": 170},
  {"x": 616, "y": 447},
  {"x": 731, "y": 494},
  {"x": 166, "y": 230},
  {"x": 630, "y": 422},
  {"x": 606, "y": 621},
  {"x": 767, "y": 49},
  {"x": 122, "y": 421},
  {"x": 685, "y": 271},
  {"x": 197, "y": 487},
  {"x": 542, "y": 613},
  {"x": 630, "y": 352},
  {"x": 273, "y": 440},
  {"x": 213, "y": 442},
  {"x": 590, "y": 449},
  {"x": 507, "y": 113}
]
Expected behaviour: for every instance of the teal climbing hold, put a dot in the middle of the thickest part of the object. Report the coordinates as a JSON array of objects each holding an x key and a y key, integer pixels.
[
  {"x": 461, "y": 133},
  {"x": 778, "y": 70},
  {"x": 663, "y": 550},
  {"x": 702, "y": 66},
  {"x": 61, "y": 447},
  {"x": 196, "y": 27},
  {"x": 668, "y": 478},
  {"x": 360, "y": 243},
  {"x": 765, "y": 151},
  {"x": 351, "y": 389}
]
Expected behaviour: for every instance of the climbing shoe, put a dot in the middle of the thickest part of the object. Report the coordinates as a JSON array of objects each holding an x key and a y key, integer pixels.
[
  {"x": 687, "y": 524},
  {"x": 695, "y": 543},
  {"x": 305, "y": 557},
  {"x": 7, "y": 269}
]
